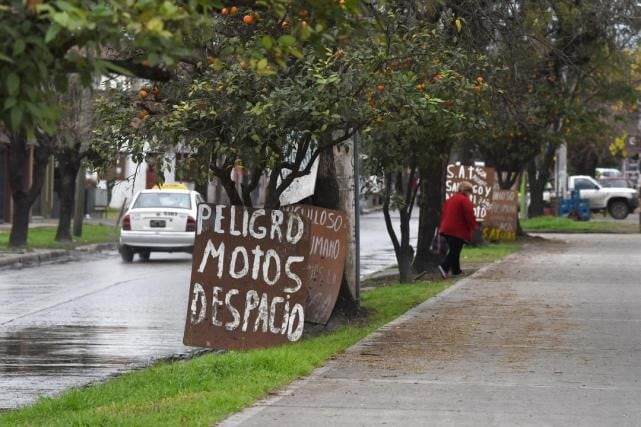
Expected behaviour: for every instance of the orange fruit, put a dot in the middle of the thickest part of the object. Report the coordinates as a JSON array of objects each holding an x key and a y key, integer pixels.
[
  {"x": 142, "y": 114},
  {"x": 233, "y": 10},
  {"x": 380, "y": 88},
  {"x": 248, "y": 19},
  {"x": 146, "y": 63},
  {"x": 224, "y": 11},
  {"x": 143, "y": 93}
]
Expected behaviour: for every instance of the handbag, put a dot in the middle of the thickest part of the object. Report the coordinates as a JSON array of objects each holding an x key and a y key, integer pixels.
[{"x": 438, "y": 246}]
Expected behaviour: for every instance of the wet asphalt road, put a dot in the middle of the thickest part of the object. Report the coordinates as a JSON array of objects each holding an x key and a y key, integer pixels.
[{"x": 71, "y": 324}]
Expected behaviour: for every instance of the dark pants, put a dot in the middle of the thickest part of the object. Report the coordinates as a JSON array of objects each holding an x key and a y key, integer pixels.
[{"x": 453, "y": 258}]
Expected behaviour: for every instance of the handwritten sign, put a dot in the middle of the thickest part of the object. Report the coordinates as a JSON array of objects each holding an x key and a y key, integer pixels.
[
  {"x": 326, "y": 261},
  {"x": 482, "y": 180},
  {"x": 500, "y": 223},
  {"x": 249, "y": 278}
]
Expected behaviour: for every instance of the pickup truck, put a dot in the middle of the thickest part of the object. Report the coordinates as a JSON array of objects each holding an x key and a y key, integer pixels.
[{"x": 619, "y": 202}]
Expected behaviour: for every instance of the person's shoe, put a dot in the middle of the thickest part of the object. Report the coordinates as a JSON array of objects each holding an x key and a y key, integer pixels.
[{"x": 443, "y": 272}]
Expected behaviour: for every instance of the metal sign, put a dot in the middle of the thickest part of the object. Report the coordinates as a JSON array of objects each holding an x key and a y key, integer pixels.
[
  {"x": 326, "y": 261},
  {"x": 482, "y": 180},
  {"x": 500, "y": 223},
  {"x": 249, "y": 278}
]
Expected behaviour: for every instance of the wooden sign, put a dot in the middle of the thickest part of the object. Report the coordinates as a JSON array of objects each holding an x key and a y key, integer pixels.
[
  {"x": 249, "y": 278},
  {"x": 482, "y": 180},
  {"x": 326, "y": 261},
  {"x": 500, "y": 223}
]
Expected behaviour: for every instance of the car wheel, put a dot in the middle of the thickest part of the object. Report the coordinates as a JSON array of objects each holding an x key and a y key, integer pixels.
[
  {"x": 144, "y": 255},
  {"x": 618, "y": 209},
  {"x": 126, "y": 253}
]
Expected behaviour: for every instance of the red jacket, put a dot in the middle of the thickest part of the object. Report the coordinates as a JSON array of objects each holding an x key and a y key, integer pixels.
[{"x": 457, "y": 218}]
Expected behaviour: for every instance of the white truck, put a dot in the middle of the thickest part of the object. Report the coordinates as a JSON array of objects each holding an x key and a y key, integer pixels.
[{"x": 619, "y": 202}]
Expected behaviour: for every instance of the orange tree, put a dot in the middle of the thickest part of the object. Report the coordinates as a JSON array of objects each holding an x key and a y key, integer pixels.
[
  {"x": 558, "y": 61},
  {"x": 43, "y": 43},
  {"x": 229, "y": 113},
  {"x": 231, "y": 108},
  {"x": 418, "y": 102}
]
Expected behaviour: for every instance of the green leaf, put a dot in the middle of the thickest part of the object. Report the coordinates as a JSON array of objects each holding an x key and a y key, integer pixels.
[
  {"x": 16, "y": 117},
  {"x": 6, "y": 59},
  {"x": 52, "y": 32},
  {"x": 297, "y": 53},
  {"x": 18, "y": 47},
  {"x": 227, "y": 50},
  {"x": 10, "y": 102},
  {"x": 13, "y": 83},
  {"x": 34, "y": 109},
  {"x": 287, "y": 40},
  {"x": 267, "y": 41},
  {"x": 62, "y": 18},
  {"x": 262, "y": 64}
]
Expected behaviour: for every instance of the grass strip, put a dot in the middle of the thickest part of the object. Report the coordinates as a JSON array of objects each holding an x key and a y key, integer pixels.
[
  {"x": 557, "y": 224},
  {"x": 207, "y": 389},
  {"x": 43, "y": 237}
]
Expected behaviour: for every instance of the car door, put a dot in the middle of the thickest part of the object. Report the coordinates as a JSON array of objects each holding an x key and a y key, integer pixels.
[{"x": 590, "y": 191}]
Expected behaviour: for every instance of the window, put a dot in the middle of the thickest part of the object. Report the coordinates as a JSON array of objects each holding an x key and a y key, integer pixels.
[
  {"x": 583, "y": 184},
  {"x": 163, "y": 200}
]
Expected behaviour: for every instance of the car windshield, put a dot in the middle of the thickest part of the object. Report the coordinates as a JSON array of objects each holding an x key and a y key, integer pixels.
[
  {"x": 163, "y": 200},
  {"x": 618, "y": 183}
]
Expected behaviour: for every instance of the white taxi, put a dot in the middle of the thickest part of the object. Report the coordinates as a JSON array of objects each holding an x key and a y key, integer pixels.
[{"x": 159, "y": 220}]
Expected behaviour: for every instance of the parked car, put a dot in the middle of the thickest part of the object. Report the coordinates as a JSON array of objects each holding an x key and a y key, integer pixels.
[
  {"x": 159, "y": 220},
  {"x": 615, "y": 182},
  {"x": 607, "y": 172},
  {"x": 619, "y": 202}
]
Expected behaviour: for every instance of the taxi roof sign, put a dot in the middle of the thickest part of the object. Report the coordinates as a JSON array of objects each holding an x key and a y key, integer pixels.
[{"x": 170, "y": 186}]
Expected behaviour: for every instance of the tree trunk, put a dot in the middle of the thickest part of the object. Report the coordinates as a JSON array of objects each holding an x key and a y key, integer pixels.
[
  {"x": 68, "y": 168},
  {"x": 24, "y": 195},
  {"x": 79, "y": 202},
  {"x": 326, "y": 190},
  {"x": 326, "y": 196},
  {"x": 402, "y": 248},
  {"x": 20, "y": 220},
  {"x": 432, "y": 184},
  {"x": 538, "y": 176},
  {"x": 405, "y": 256}
]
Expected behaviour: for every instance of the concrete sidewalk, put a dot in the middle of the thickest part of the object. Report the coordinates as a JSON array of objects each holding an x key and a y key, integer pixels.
[{"x": 548, "y": 336}]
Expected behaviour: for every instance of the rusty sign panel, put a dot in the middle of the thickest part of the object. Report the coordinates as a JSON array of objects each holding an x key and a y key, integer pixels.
[
  {"x": 326, "y": 262},
  {"x": 500, "y": 223},
  {"x": 249, "y": 278},
  {"x": 481, "y": 178}
]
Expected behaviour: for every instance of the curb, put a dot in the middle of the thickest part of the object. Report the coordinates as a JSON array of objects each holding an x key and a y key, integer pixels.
[
  {"x": 38, "y": 257},
  {"x": 33, "y": 258}
]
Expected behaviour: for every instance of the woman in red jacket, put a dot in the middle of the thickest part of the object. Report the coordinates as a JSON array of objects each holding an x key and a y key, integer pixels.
[{"x": 457, "y": 225}]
